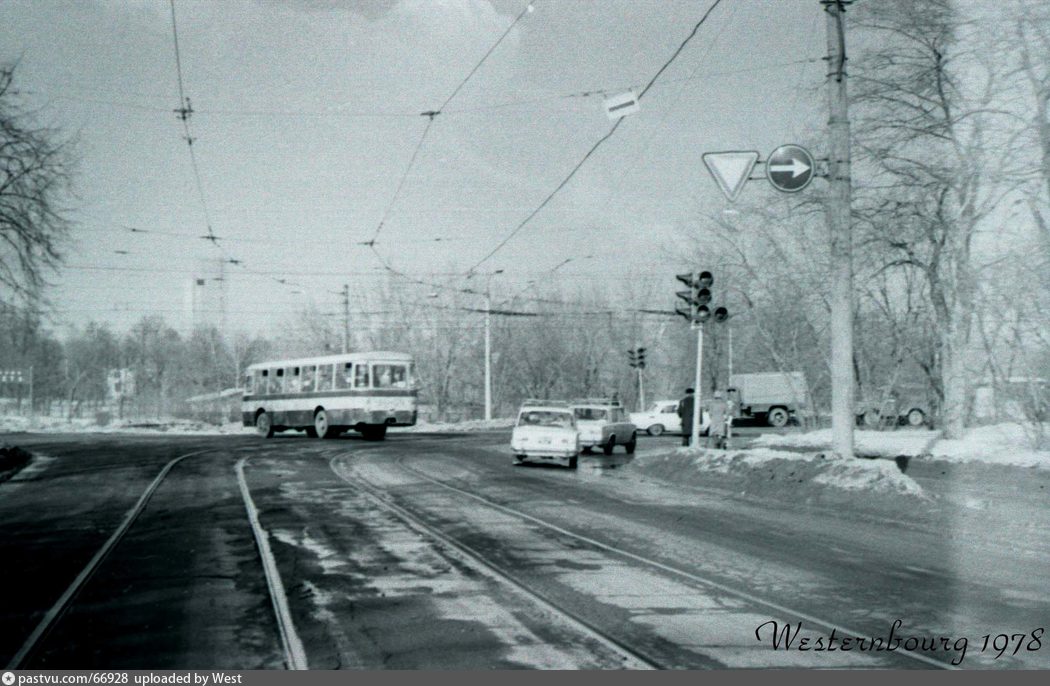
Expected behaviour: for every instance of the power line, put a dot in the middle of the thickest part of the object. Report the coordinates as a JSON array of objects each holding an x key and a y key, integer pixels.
[
  {"x": 394, "y": 114},
  {"x": 431, "y": 115},
  {"x": 184, "y": 112},
  {"x": 598, "y": 144}
]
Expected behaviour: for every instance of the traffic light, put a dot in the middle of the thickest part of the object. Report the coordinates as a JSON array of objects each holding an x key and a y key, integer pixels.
[
  {"x": 641, "y": 358},
  {"x": 698, "y": 298},
  {"x": 691, "y": 296}
]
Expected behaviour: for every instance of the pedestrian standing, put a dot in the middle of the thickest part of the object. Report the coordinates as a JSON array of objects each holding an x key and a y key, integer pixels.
[
  {"x": 685, "y": 413},
  {"x": 716, "y": 428}
]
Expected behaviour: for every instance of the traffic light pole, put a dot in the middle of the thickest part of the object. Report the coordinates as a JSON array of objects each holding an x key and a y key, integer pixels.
[
  {"x": 838, "y": 219},
  {"x": 694, "y": 438},
  {"x": 641, "y": 391}
]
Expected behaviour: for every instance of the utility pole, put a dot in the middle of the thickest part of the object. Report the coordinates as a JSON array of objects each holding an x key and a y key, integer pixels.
[
  {"x": 730, "y": 331},
  {"x": 346, "y": 318},
  {"x": 838, "y": 220},
  {"x": 222, "y": 298},
  {"x": 488, "y": 355}
]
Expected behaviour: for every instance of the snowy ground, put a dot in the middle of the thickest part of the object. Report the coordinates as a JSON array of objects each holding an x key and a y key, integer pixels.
[
  {"x": 999, "y": 444},
  {"x": 809, "y": 478},
  {"x": 456, "y": 427},
  {"x": 18, "y": 424},
  {"x": 799, "y": 464}
]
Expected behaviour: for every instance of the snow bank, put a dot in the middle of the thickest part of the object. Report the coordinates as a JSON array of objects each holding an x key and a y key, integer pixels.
[
  {"x": 1000, "y": 444},
  {"x": 456, "y": 427},
  {"x": 804, "y": 477},
  {"x": 12, "y": 424},
  {"x": 867, "y": 443}
]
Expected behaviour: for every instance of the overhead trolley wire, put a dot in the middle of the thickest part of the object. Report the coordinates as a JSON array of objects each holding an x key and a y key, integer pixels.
[
  {"x": 598, "y": 144},
  {"x": 431, "y": 115},
  {"x": 184, "y": 111}
]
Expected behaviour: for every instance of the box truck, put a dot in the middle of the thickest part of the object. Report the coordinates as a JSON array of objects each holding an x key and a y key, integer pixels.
[{"x": 770, "y": 396}]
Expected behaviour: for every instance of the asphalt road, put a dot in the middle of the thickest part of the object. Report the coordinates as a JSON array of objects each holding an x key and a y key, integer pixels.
[{"x": 432, "y": 551}]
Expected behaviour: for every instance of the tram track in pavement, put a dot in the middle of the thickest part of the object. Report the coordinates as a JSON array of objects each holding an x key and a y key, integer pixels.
[
  {"x": 29, "y": 654},
  {"x": 631, "y": 658},
  {"x": 440, "y": 531}
]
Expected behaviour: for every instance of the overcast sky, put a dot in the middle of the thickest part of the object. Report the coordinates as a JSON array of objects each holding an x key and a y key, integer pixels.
[{"x": 306, "y": 115}]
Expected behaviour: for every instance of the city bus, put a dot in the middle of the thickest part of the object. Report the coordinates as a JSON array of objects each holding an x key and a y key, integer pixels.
[{"x": 325, "y": 396}]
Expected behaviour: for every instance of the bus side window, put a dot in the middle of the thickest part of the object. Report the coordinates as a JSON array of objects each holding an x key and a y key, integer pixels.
[
  {"x": 361, "y": 376},
  {"x": 291, "y": 380},
  {"x": 342, "y": 375},
  {"x": 308, "y": 378},
  {"x": 381, "y": 376},
  {"x": 324, "y": 377},
  {"x": 277, "y": 380},
  {"x": 249, "y": 383}
]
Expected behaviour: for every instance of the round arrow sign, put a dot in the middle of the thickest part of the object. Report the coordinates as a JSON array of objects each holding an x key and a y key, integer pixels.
[{"x": 789, "y": 168}]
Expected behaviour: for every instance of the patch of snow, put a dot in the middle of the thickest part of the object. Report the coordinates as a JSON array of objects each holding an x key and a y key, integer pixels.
[
  {"x": 872, "y": 443},
  {"x": 764, "y": 468},
  {"x": 1000, "y": 444},
  {"x": 189, "y": 427},
  {"x": 870, "y": 476},
  {"x": 458, "y": 427}
]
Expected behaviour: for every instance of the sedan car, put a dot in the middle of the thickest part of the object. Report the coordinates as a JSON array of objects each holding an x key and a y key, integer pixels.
[
  {"x": 662, "y": 417},
  {"x": 604, "y": 424},
  {"x": 547, "y": 433}
]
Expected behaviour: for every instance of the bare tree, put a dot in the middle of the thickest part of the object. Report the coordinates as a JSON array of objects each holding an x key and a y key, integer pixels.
[
  {"x": 35, "y": 176},
  {"x": 936, "y": 150}
]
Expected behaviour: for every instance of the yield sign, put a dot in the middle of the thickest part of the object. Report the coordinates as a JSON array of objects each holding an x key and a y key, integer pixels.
[{"x": 730, "y": 170}]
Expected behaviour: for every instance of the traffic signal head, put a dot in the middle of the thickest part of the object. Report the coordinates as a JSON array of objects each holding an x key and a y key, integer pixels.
[
  {"x": 721, "y": 314},
  {"x": 703, "y": 296},
  {"x": 702, "y": 314},
  {"x": 706, "y": 279}
]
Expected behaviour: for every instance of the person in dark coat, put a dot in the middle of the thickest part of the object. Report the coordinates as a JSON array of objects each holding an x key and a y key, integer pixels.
[{"x": 685, "y": 413}]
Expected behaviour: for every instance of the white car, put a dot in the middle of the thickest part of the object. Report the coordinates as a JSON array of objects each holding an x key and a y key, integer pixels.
[
  {"x": 661, "y": 417},
  {"x": 603, "y": 424},
  {"x": 546, "y": 432}
]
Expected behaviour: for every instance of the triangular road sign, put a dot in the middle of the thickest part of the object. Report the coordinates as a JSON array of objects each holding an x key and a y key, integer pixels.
[{"x": 730, "y": 170}]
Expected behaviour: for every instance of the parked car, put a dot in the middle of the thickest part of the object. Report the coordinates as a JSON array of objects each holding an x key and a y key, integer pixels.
[
  {"x": 604, "y": 423},
  {"x": 662, "y": 417},
  {"x": 546, "y": 431}
]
